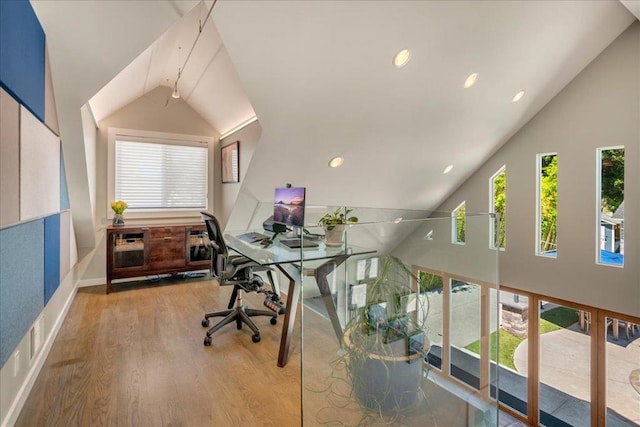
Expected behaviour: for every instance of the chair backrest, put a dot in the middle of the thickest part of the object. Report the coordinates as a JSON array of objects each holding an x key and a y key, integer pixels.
[{"x": 220, "y": 252}]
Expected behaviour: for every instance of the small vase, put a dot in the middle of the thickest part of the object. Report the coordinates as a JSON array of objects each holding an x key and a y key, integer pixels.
[{"x": 118, "y": 219}]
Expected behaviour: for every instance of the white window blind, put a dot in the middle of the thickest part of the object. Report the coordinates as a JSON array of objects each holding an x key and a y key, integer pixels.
[{"x": 156, "y": 176}]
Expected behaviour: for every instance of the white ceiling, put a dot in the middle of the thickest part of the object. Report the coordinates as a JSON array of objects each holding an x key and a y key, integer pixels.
[
  {"x": 320, "y": 79},
  {"x": 208, "y": 81},
  {"x": 318, "y": 75},
  {"x": 633, "y": 6}
]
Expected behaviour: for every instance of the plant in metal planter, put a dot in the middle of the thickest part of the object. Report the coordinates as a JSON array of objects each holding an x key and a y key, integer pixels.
[{"x": 384, "y": 342}]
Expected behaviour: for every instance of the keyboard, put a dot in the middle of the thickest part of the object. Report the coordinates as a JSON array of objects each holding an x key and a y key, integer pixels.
[
  {"x": 252, "y": 237},
  {"x": 297, "y": 243}
]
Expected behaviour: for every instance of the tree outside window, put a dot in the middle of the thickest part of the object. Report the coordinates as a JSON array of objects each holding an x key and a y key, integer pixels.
[
  {"x": 499, "y": 198},
  {"x": 548, "y": 204}
]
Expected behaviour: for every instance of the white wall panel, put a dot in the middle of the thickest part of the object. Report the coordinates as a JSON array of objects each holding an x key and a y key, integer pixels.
[
  {"x": 50, "y": 113},
  {"x": 65, "y": 244},
  {"x": 9, "y": 157},
  {"x": 39, "y": 168}
]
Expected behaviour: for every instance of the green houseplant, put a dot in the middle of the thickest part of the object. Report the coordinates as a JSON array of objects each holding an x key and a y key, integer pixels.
[
  {"x": 334, "y": 224},
  {"x": 384, "y": 342}
]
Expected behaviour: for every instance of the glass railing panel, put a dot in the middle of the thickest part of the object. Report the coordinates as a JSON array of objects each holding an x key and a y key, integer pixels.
[{"x": 384, "y": 358}]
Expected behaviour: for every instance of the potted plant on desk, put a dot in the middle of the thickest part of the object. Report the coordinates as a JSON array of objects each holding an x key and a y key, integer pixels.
[
  {"x": 384, "y": 343},
  {"x": 334, "y": 224}
]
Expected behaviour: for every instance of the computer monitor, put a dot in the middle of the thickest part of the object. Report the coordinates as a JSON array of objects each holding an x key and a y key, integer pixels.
[{"x": 288, "y": 206}]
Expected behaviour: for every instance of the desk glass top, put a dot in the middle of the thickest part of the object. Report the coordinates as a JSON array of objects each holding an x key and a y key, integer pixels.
[{"x": 278, "y": 253}]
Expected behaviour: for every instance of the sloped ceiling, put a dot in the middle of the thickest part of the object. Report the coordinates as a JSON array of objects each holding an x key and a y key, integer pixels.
[
  {"x": 633, "y": 6},
  {"x": 318, "y": 76},
  {"x": 320, "y": 79},
  {"x": 208, "y": 81}
]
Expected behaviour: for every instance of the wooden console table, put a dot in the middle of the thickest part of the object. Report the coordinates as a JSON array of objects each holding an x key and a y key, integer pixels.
[{"x": 137, "y": 251}]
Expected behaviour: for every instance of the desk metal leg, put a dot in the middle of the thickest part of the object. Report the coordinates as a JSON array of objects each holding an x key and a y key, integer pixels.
[
  {"x": 321, "y": 274},
  {"x": 293, "y": 296}
]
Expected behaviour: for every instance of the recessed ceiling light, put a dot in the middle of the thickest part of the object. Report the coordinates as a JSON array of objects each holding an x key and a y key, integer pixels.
[
  {"x": 471, "y": 80},
  {"x": 336, "y": 162},
  {"x": 518, "y": 96},
  {"x": 401, "y": 58},
  {"x": 447, "y": 169}
]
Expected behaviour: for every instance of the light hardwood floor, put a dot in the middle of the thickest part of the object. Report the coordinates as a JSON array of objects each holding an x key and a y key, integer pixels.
[{"x": 136, "y": 357}]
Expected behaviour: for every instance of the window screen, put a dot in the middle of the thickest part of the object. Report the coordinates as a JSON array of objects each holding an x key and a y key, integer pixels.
[{"x": 156, "y": 176}]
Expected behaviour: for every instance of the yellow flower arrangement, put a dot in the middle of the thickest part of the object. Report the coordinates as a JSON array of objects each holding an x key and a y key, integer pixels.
[{"x": 119, "y": 206}]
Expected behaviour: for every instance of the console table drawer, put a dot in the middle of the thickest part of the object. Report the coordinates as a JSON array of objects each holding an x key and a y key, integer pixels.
[
  {"x": 166, "y": 231},
  {"x": 166, "y": 252}
]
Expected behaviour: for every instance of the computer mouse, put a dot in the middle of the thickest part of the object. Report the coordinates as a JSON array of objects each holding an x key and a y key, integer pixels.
[{"x": 265, "y": 243}]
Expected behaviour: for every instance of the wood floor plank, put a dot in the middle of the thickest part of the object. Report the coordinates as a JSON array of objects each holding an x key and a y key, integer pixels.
[{"x": 136, "y": 357}]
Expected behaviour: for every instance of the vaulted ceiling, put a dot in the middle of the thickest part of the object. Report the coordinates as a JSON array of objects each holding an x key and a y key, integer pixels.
[
  {"x": 318, "y": 76},
  {"x": 192, "y": 53}
]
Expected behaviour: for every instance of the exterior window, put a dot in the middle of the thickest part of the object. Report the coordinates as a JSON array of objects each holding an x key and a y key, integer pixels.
[
  {"x": 568, "y": 351},
  {"x": 431, "y": 290},
  {"x": 458, "y": 217},
  {"x": 610, "y": 234},
  {"x": 161, "y": 176},
  {"x": 547, "y": 205},
  {"x": 465, "y": 327},
  {"x": 498, "y": 188}
]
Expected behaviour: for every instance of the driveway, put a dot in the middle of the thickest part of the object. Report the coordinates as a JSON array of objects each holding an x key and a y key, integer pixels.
[{"x": 565, "y": 365}]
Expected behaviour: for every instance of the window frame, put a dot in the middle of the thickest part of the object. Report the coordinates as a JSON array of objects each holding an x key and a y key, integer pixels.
[
  {"x": 135, "y": 135},
  {"x": 454, "y": 224},
  {"x": 538, "y": 241},
  {"x": 493, "y": 237},
  {"x": 599, "y": 151}
]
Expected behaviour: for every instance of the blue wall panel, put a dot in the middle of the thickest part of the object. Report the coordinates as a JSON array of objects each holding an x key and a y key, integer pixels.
[
  {"x": 22, "y": 55},
  {"x": 21, "y": 282},
  {"x": 64, "y": 190},
  {"x": 51, "y": 255}
]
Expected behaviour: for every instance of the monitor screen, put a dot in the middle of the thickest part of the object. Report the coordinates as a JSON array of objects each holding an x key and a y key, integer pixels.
[{"x": 288, "y": 206}]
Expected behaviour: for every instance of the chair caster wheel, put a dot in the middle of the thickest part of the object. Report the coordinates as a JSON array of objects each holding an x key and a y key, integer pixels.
[
  {"x": 274, "y": 320},
  {"x": 207, "y": 341},
  {"x": 205, "y": 323},
  {"x": 239, "y": 324},
  {"x": 255, "y": 338}
]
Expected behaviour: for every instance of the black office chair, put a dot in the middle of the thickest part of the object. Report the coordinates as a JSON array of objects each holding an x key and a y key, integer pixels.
[{"x": 240, "y": 272}]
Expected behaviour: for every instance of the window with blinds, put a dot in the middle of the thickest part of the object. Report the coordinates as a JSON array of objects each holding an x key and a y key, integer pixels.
[{"x": 158, "y": 175}]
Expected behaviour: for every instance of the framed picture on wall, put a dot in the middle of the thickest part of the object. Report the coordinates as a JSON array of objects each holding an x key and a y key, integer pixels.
[{"x": 231, "y": 163}]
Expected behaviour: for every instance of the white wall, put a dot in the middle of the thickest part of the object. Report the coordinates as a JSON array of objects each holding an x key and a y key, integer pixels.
[
  {"x": 248, "y": 137},
  {"x": 89, "y": 132},
  {"x": 41, "y": 197},
  {"x": 147, "y": 113},
  {"x": 600, "y": 107}
]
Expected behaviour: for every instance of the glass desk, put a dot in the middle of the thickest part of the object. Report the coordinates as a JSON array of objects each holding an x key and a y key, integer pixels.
[{"x": 321, "y": 260}]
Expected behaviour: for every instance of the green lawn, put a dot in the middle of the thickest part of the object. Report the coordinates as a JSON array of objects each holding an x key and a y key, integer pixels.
[
  {"x": 557, "y": 318},
  {"x": 508, "y": 344},
  {"x": 552, "y": 320}
]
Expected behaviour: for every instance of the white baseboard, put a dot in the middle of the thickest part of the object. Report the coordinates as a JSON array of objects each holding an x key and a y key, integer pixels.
[
  {"x": 25, "y": 389},
  {"x": 91, "y": 282}
]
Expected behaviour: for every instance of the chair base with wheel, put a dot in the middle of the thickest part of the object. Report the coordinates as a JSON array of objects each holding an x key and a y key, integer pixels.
[{"x": 240, "y": 314}]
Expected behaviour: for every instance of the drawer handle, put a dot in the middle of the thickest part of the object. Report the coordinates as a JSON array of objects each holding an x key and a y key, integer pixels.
[{"x": 167, "y": 238}]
